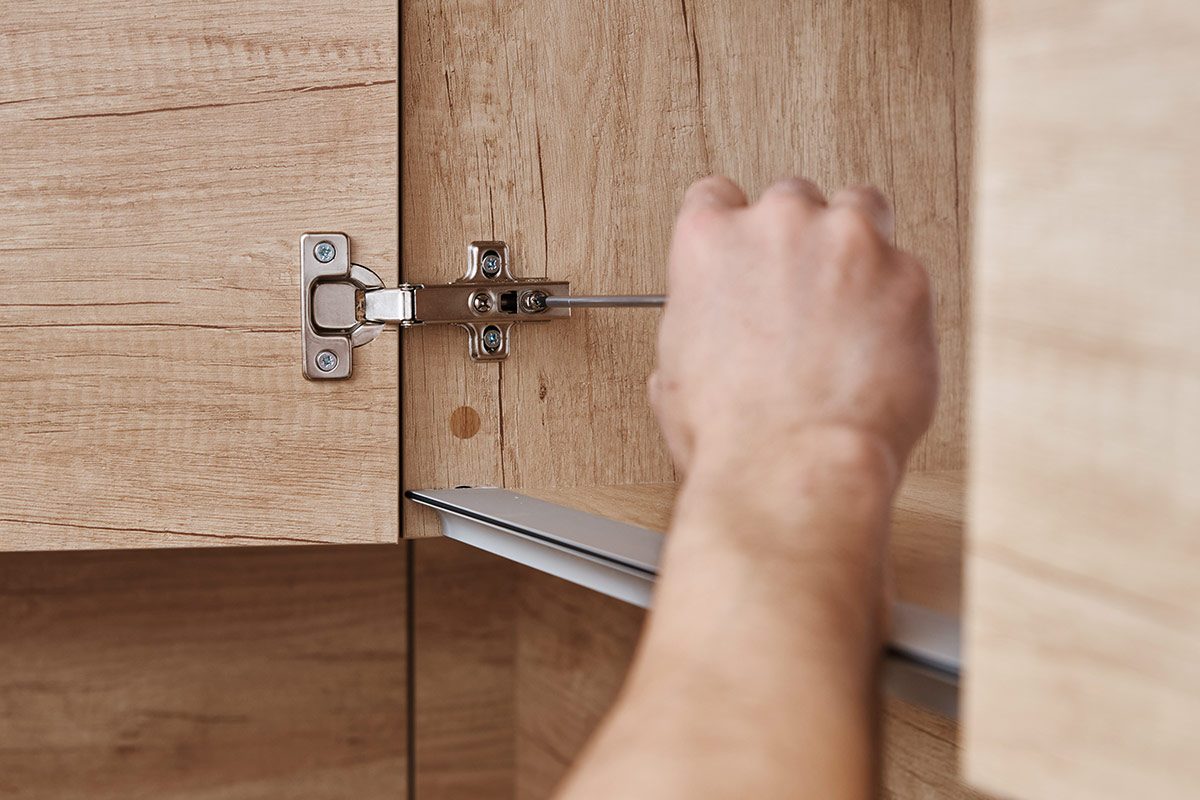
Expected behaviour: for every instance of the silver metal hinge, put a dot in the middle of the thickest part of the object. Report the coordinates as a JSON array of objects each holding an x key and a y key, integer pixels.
[{"x": 344, "y": 305}]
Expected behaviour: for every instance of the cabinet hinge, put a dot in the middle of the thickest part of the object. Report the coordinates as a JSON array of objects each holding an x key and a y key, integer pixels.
[{"x": 344, "y": 305}]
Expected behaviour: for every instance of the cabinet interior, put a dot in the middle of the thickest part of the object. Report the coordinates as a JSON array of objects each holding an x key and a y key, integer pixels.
[{"x": 575, "y": 151}]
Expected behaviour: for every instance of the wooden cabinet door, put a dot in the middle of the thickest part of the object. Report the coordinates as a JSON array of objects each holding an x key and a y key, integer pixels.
[
  {"x": 1083, "y": 645},
  {"x": 160, "y": 162}
]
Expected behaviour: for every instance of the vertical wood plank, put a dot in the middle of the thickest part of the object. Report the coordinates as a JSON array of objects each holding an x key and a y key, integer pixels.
[
  {"x": 846, "y": 93},
  {"x": 458, "y": 155},
  {"x": 613, "y": 113},
  {"x": 1084, "y": 626},
  {"x": 573, "y": 648},
  {"x": 921, "y": 756},
  {"x": 929, "y": 135},
  {"x": 464, "y": 672}
]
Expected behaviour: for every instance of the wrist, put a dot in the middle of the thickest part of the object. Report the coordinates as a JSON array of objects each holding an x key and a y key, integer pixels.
[
  {"x": 808, "y": 524},
  {"x": 828, "y": 474}
]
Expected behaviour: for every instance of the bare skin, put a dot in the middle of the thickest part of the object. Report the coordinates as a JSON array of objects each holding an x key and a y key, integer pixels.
[{"x": 796, "y": 370}]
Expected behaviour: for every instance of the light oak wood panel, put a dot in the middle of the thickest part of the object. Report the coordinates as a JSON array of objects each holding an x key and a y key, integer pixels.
[
  {"x": 921, "y": 754},
  {"x": 572, "y": 134},
  {"x": 926, "y": 536},
  {"x": 203, "y": 675},
  {"x": 574, "y": 648},
  {"x": 160, "y": 165},
  {"x": 846, "y": 93},
  {"x": 464, "y": 667},
  {"x": 612, "y": 110},
  {"x": 457, "y": 153},
  {"x": 1084, "y": 620}
]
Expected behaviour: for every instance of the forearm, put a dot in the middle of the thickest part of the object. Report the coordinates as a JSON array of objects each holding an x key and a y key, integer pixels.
[{"x": 756, "y": 677}]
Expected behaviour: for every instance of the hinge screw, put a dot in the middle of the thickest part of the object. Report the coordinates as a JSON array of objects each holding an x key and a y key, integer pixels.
[
  {"x": 492, "y": 339},
  {"x": 324, "y": 252},
  {"x": 481, "y": 302},
  {"x": 327, "y": 360},
  {"x": 533, "y": 302},
  {"x": 491, "y": 264}
]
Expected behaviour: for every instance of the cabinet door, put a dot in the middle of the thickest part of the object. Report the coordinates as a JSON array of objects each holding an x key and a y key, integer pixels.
[
  {"x": 160, "y": 163},
  {"x": 1083, "y": 643}
]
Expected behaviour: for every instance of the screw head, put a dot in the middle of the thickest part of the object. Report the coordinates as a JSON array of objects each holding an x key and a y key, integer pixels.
[
  {"x": 492, "y": 339},
  {"x": 324, "y": 252},
  {"x": 481, "y": 302},
  {"x": 327, "y": 361},
  {"x": 533, "y": 302},
  {"x": 490, "y": 264}
]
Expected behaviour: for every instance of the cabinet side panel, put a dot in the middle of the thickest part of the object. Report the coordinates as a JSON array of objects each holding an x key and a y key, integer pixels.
[
  {"x": 1084, "y": 620},
  {"x": 846, "y": 93},
  {"x": 160, "y": 165},
  {"x": 460, "y": 151},
  {"x": 572, "y": 135},
  {"x": 203, "y": 675}
]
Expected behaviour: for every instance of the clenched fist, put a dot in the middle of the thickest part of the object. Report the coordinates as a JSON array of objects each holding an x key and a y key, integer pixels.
[{"x": 791, "y": 321}]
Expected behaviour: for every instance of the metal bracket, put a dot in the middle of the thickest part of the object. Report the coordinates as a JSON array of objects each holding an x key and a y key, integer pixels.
[{"x": 345, "y": 305}]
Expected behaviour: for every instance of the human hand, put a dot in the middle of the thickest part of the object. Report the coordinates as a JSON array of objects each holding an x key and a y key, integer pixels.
[
  {"x": 796, "y": 369},
  {"x": 789, "y": 321}
]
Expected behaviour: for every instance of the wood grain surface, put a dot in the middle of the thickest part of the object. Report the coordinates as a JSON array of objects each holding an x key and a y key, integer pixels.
[
  {"x": 203, "y": 675},
  {"x": 571, "y": 134},
  {"x": 160, "y": 164},
  {"x": 1084, "y": 623},
  {"x": 464, "y": 667}
]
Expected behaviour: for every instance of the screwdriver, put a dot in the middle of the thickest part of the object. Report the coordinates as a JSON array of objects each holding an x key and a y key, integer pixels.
[
  {"x": 607, "y": 301},
  {"x": 537, "y": 301}
]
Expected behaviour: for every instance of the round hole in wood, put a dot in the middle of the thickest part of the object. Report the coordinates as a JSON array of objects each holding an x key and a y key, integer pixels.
[{"x": 464, "y": 422}]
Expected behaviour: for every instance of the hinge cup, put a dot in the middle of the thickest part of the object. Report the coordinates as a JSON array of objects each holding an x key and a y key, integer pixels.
[{"x": 329, "y": 330}]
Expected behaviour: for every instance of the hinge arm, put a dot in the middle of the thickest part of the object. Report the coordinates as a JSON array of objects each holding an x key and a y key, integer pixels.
[{"x": 394, "y": 306}]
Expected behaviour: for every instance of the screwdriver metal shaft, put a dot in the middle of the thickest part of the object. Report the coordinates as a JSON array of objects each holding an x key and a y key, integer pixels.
[{"x": 607, "y": 301}]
